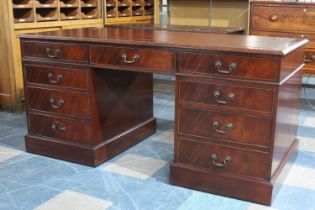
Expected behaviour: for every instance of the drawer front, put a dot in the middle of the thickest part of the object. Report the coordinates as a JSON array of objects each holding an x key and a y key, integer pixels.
[
  {"x": 284, "y": 17},
  {"x": 216, "y": 158},
  {"x": 159, "y": 60},
  {"x": 308, "y": 36},
  {"x": 56, "y": 101},
  {"x": 56, "y": 76},
  {"x": 60, "y": 128},
  {"x": 226, "y": 96},
  {"x": 225, "y": 126},
  {"x": 230, "y": 66},
  {"x": 55, "y": 51}
]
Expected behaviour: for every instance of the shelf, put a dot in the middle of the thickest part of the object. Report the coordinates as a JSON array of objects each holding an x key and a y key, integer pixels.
[
  {"x": 23, "y": 15},
  {"x": 148, "y": 10},
  {"x": 123, "y": 3},
  {"x": 89, "y": 13},
  {"x": 137, "y": 11},
  {"x": 111, "y": 12},
  {"x": 137, "y": 3},
  {"x": 111, "y": 3},
  {"x": 148, "y": 3},
  {"x": 46, "y": 3},
  {"x": 69, "y": 3},
  {"x": 124, "y": 12},
  {"x": 46, "y": 14},
  {"x": 22, "y": 4},
  {"x": 88, "y": 3},
  {"x": 69, "y": 13}
]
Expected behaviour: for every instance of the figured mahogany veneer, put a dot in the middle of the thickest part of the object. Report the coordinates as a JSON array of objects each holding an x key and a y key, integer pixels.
[{"x": 236, "y": 113}]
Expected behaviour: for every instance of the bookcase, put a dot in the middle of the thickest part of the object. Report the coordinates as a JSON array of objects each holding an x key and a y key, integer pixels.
[
  {"x": 29, "y": 16},
  {"x": 129, "y": 11}
]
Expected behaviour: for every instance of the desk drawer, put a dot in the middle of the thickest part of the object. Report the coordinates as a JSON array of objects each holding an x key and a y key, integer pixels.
[
  {"x": 225, "y": 126},
  {"x": 55, "y": 51},
  {"x": 60, "y": 128},
  {"x": 55, "y": 76},
  {"x": 211, "y": 157},
  {"x": 284, "y": 17},
  {"x": 309, "y": 58},
  {"x": 230, "y": 66},
  {"x": 159, "y": 60},
  {"x": 65, "y": 102},
  {"x": 226, "y": 96}
]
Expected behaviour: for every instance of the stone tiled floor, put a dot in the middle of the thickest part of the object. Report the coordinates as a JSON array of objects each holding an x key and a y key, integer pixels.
[{"x": 138, "y": 178}]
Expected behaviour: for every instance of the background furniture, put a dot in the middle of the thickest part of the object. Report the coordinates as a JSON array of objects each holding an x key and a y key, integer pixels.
[
  {"x": 286, "y": 19},
  {"x": 90, "y": 96}
]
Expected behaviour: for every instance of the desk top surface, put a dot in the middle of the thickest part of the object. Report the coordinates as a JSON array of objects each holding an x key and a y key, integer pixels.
[{"x": 175, "y": 39}]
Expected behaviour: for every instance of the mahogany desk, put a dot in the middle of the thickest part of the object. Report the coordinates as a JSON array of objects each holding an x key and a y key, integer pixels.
[{"x": 89, "y": 97}]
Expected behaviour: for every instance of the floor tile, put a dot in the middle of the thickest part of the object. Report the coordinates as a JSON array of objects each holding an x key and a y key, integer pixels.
[
  {"x": 6, "y": 153},
  {"x": 306, "y": 144},
  {"x": 136, "y": 166},
  {"x": 301, "y": 177},
  {"x": 309, "y": 122},
  {"x": 72, "y": 200},
  {"x": 259, "y": 207}
]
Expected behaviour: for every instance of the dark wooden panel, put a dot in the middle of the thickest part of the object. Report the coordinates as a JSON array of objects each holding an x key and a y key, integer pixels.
[
  {"x": 245, "y": 129},
  {"x": 284, "y": 17},
  {"x": 242, "y": 162},
  {"x": 58, "y": 101},
  {"x": 247, "y": 98},
  {"x": 121, "y": 100},
  {"x": 55, "y": 76},
  {"x": 228, "y": 185},
  {"x": 159, "y": 60},
  {"x": 302, "y": 34},
  {"x": 55, "y": 51},
  {"x": 60, "y": 128},
  {"x": 246, "y": 67}
]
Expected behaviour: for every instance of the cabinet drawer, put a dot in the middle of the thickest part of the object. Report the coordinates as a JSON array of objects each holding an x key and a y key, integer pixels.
[
  {"x": 230, "y": 66},
  {"x": 55, "y": 51},
  {"x": 55, "y": 76},
  {"x": 65, "y": 102},
  {"x": 60, "y": 128},
  {"x": 225, "y": 126},
  {"x": 216, "y": 158},
  {"x": 228, "y": 96},
  {"x": 284, "y": 17},
  {"x": 309, "y": 59},
  {"x": 159, "y": 60},
  {"x": 308, "y": 36}
]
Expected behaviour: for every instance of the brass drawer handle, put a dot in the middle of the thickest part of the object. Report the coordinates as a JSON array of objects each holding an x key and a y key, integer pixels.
[
  {"x": 227, "y": 100},
  {"x": 309, "y": 59},
  {"x": 56, "y": 104},
  {"x": 232, "y": 66},
  {"x": 273, "y": 18},
  {"x": 51, "y": 80},
  {"x": 53, "y": 55},
  {"x": 58, "y": 126},
  {"x": 134, "y": 58},
  {"x": 226, "y": 129},
  {"x": 225, "y": 160}
]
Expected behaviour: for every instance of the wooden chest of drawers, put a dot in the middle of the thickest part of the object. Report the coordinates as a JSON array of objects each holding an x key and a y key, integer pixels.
[
  {"x": 236, "y": 112},
  {"x": 286, "y": 19}
]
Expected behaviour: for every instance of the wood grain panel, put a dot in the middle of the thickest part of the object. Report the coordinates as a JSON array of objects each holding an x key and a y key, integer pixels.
[
  {"x": 159, "y": 60},
  {"x": 74, "y": 103},
  {"x": 60, "y": 128},
  {"x": 246, "y": 67},
  {"x": 242, "y": 162},
  {"x": 245, "y": 129}
]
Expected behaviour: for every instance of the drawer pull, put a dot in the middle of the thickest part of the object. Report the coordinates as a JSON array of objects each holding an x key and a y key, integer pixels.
[
  {"x": 53, "y": 55},
  {"x": 134, "y": 58},
  {"x": 228, "y": 98},
  {"x": 273, "y": 18},
  {"x": 231, "y": 67},
  {"x": 225, "y": 161},
  {"x": 58, "y": 126},
  {"x": 58, "y": 78},
  {"x": 227, "y": 127},
  {"x": 56, "y": 104},
  {"x": 309, "y": 59}
]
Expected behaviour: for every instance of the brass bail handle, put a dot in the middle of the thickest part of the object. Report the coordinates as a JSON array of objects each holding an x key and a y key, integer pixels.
[
  {"x": 231, "y": 67},
  {"x": 51, "y": 54},
  {"x": 273, "y": 17},
  {"x": 222, "y": 164},
  {"x": 58, "y": 126},
  {"x": 59, "y": 77},
  {"x": 133, "y": 60},
  {"x": 216, "y": 125},
  {"x": 56, "y": 104},
  {"x": 228, "y": 98}
]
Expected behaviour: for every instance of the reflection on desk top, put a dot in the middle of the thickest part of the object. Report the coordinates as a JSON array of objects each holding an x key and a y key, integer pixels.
[{"x": 175, "y": 39}]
